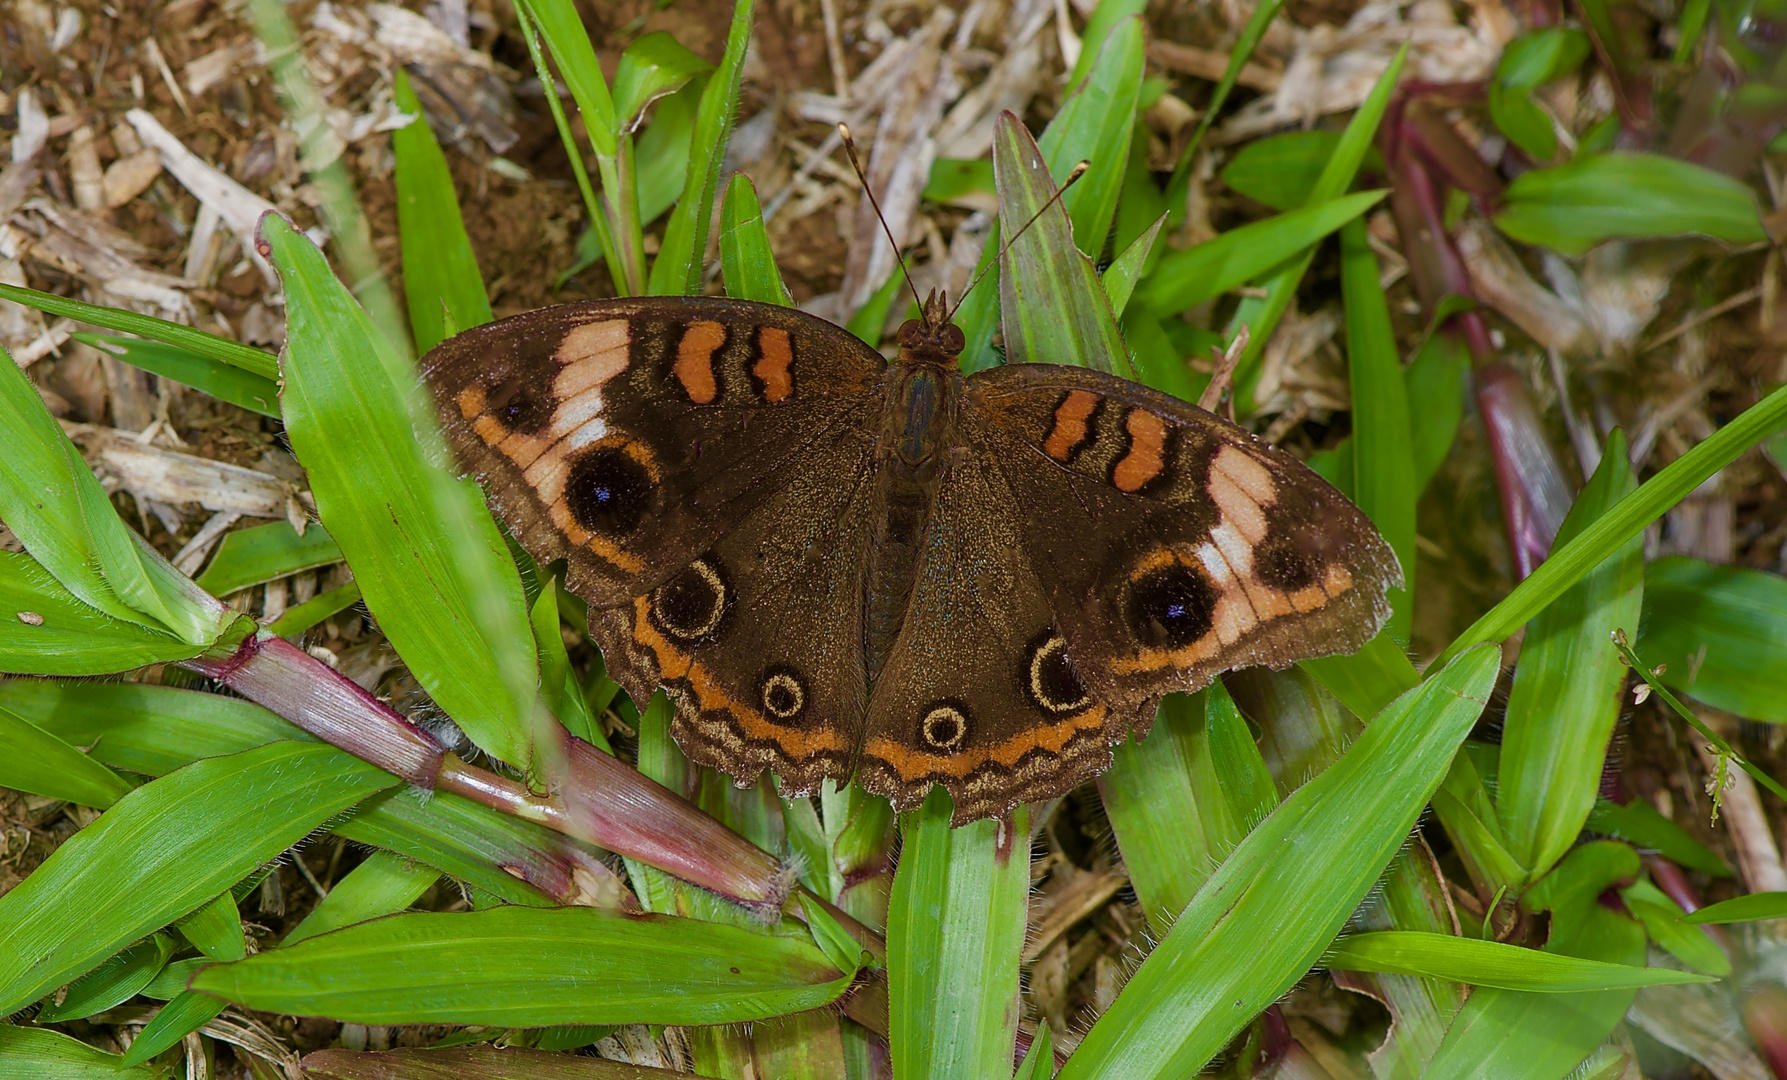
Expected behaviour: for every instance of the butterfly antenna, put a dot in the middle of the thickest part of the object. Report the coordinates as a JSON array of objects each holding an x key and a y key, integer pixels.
[
  {"x": 1078, "y": 171},
  {"x": 850, "y": 150}
]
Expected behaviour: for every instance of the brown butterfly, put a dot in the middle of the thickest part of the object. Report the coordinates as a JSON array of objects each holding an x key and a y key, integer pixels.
[{"x": 839, "y": 565}]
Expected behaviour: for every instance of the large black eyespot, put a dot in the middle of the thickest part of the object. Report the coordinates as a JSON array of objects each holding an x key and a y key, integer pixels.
[
  {"x": 521, "y": 409},
  {"x": 783, "y": 693},
  {"x": 1171, "y": 607},
  {"x": 1279, "y": 563},
  {"x": 607, "y": 491},
  {"x": 691, "y": 605},
  {"x": 945, "y": 726},
  {"x": 1049, "y": 676}
]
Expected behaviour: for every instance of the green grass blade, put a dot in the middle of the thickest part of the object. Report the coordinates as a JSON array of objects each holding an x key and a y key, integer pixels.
[
  {"x": 73, "y": 638},
  {"x": 1638, "y": 823},
  {"x": 142, "y": 727},
  {"x": 1084, "y": 131},
  {"x": 1721, "y": 630},
  {"x": 483, "y": 1062},
  {"x": 41, "y": 764},
  {"x": 1748, "y": 908},
  {"x": 322, "y": 606},
  {"x": 1436, "y": 380},
  {"x": 1119, "y": 279},
  {"x": 111, "y": 983},
  {"x": 42, "y": 1054},
  {"x": 1261, "y": 315},
  {"x": 427, "y": 555},
  {"x": 55, "y": 506},
  {"x": 1246, "y": 784},
  {"x": 441, "y": 281},
  {"x": 233, "y": 815},
  {"x": 198, "y": 342},
  {"x": 563, "y": 29},
  {"x": 1190, "y": 276},
  {"x": 1107, "y": 15},
  {"x": 1662, "y": 919},
  {"x": 650, "y": 67},
  {"x": 1262, "y": 920},
  {"x": 262, "y": 553},
  {"x": 1039, "y": 1060},
  {"x": 382, "y": 885},
  {"x": 1251, "y": 34},
  {"x": 1383, "y": 445},
  {"x": 1369, "y": 679},
  {"x": 180, "y": 1017},
  {"x": 866, "y": 324},
  {"x": 256, "y": 393},
  {"x": 1567, "y": 564},
  {"x": 1490, "y": 963},
  {"x": 746, "y": 261},
  {"x": 215, "y": 929},
  {"x": 682, "y": 258},
  {"x": 527, "y": 967},
  {"x": 1281, "y": 170},
  {"x": 1152, "y": 803},
  {"x": 955, "y": 931},
  {"x": 1054, "y": 309},
  {"x": 662, "y": 151},
  {"x": 1596, "y": 197},
  {"x": 1566, "y": 692}
]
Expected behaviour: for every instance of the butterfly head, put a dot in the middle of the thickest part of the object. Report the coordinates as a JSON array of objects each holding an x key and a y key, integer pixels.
[{"x": 932, "y": 338}]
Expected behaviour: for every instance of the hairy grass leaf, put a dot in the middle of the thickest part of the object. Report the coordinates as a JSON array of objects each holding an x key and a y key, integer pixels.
[
  {"x": 440, "y": 274},
  {"x": 1639, "y": 823},
  {"x": 129, "y": 873},
  {"x": 38, "y": 762},
  {"x": 1490, "y": 963},
  {"x": 1151, "y": 800},
  {"x": 210, "y": 346},
  {"x": 1120, "y": 277},
  {"x": 475, "y": 1063},
  {"x": 113, "y": 982},
  {"x": 184, "y": 1014},
  {"x": 746, "y": 261},
  {"x": 31, "y": 1053},
  {"x": 526, "y": 967},
  {"x": 1572, "y": 207},
  {"x": 432, "y": 565},
  {"x": 1262, "y": 920},
  {"x": 384, "y": 884},
  {"x": 72, "y": 638},
  {"x": 262, "y": 553}
]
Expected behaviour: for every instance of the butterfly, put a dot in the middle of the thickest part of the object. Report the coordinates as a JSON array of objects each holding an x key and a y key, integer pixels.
[{"x": 838, "y": 565}]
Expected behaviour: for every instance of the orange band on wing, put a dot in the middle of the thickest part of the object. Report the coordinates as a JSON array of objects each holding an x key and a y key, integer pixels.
[
  {"x": 1070, "y": 424},
  {"x": 673, "y": 663},
  {"x": 913, "y": 764},
  {"x": 695, "y": 361},
  {"x": 775, "y": 366},
  {"x": 1147, "y": 451}
]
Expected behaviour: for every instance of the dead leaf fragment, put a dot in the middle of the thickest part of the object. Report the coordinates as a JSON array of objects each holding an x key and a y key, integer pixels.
[
  {"x": 30, "y": 618},
  {"x": 130, "y": 176}
]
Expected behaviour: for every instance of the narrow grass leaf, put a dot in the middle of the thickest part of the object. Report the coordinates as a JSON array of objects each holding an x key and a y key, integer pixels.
[
  {"x": 41, "y": 764},
  {"x": 527, "y": 967},
  {"x": 1545, "y": 1036},
  {"x": 1084, "y": 130},
  {"x": 1436, "y": 380},
  {"x": 1638, "y": 823},
  {"x": 661, "y": 153},
  {"x": 52, "y": 502},
  {"x": 1039, "y": 1060},
  {"x": 211, "y": 346},
  {"x": 1246, "y": 783},
  {"x": 1567, "y": 687},
  {"x": 1281, "y": 170},
  {"x": 1251, "y": 34},
  {"x": 113, "y": 982},
  {"x": 32, "y": 1053},
  {"x": 72, "y": 638},
  {"x": 1490, "y": 963},
  {"x": 261, "y": 553},
  {"x": 1152, "y": 805},
  {"x": 1119, "y": 279},
  {"x": 563, "y": 30},
  {"x": 1383, "y": 444},
  {"x": 1721, "y": 630},
  {"x": 1468, "y": 813},
  {"x": 558, "y": 683},
  {"x": 1054, "y": 310},
  {"x": 1107, "y": 15},
  {"x": 955, "y": 931},
  {"x": 746, "y": 261},
  {"x": 180, "y": 1017},
  {"x": 597, "y": 241},
  {"x": 384, "y": 884},
  {"x": 682, "y": 256},
  {"x": 256, "y": 393},
  {"x": 1747, "y": 908},
  {"x": 234, "y": 814},
  {"x": 145, "y": 728},
  {"x": 476, "y": 1063},
  {"x": 441, "y": 281},
  {"x": 652, "y": 66},
  {"x": 1262, "y": 920},
  {"x": 432, "y": 565},
  {"x": 1567, "y": 564},
  {"x": 317, "y": 609},
  {"x": 1193, "y": 275},
  {"x": 215, "y": 929},
  {"x": 1595, "y": 197},
  {"x": 170, "y": 982},
  {"x": 1261, "y": 314},
  {"x": 1662, "y": 919},
  {"x": 1369, "y": 679}
]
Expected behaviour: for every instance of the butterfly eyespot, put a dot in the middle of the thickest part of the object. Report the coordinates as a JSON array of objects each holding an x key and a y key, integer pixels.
[
  {"x": 783, "y": 693},
  {"x": 944, "y": 727},
  {"x": 1171, "y": 606},
  {"x": 521, "y": 410},
  {"x": 1278, "y": 562},
  {"x": 608, "y": 491},
  {"x": 691, "y": 605},
  {"x": 1049, "y": 676}
]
